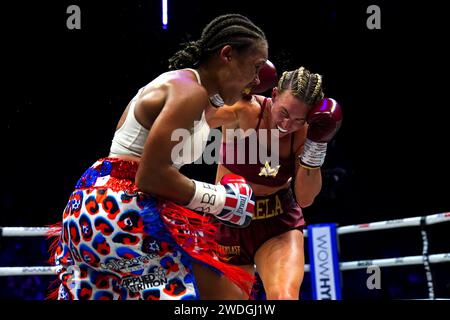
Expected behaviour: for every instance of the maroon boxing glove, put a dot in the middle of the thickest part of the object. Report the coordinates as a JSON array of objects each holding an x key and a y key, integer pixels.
[
  {"x": 324, "y": 120},
  {"x": 267, "y": 80}
]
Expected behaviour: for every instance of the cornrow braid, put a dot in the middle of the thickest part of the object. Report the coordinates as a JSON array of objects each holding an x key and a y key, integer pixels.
[
  {"x": 303, "y": 84},
  {"x": 230, "y": 29},
  {"x": 186, "y": 57},
  {"x": 282, "y": 80}
]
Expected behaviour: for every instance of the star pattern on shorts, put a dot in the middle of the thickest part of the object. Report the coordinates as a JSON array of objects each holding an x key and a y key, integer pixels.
[{"x": 268, "y": 171}]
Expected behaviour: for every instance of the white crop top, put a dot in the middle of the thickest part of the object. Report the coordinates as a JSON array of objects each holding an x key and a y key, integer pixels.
[{"x": 130, "y": 138}]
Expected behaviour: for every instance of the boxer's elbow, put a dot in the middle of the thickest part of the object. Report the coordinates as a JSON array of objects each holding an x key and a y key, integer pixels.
[
  {"x": 150, "y": 181},
  {"x": 303, "y": 203},
  {"x": 305, "y": 200},
  {"x": 146, "y": 183}
]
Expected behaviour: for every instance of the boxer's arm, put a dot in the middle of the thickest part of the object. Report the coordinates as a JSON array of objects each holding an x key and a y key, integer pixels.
[
  {"x": 225, "y": 115},
  {"x": 228, "y": 116},
  {"x": 231, "y": 201},
  {"x": 324, "y": 120},
  {"x": 156, "y": 175},
  {"x": 238, "y": 114},
  {"x": 308, "y": 182}
]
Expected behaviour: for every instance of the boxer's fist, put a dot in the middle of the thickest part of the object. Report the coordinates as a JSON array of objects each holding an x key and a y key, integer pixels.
[
  {"x": 231, "y": 200},
  {"x": 239, "y": 201},
  {"x": 267, "y": 80},
  {"x": 324, "y": 120}
]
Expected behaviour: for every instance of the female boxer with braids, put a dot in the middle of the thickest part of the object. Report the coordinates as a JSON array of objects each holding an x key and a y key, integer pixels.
[
  {"x": 128, "y": 231},
  {"x": 304, "y": 121}
]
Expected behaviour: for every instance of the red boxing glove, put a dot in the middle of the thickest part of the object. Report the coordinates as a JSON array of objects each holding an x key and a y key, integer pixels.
[
  {"x": 239, "y": 202},
  {"x": 231, "y": 200},
  {"x": 324, "y": 121}
]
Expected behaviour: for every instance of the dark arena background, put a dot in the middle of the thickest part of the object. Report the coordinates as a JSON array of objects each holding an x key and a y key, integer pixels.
[{"x": 64, "y": 90}]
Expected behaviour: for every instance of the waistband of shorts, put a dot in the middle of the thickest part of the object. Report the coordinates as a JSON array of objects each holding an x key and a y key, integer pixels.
[
  {"x": 282, "y": 195},
  {"x": 106, "y": 168}
]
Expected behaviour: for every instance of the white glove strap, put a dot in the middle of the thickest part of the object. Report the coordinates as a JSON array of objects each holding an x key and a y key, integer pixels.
[
  {"x": 216, "y": 100},
  {"x": 314, "y": 153},
  {"x": 208, "y": 198}
]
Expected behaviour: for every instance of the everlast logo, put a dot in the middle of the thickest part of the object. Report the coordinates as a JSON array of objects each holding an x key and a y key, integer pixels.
[
  {"x": 241, "y": 204},
  {"x": 230, "y": 250},
  {"x": 268, "y": 208}
]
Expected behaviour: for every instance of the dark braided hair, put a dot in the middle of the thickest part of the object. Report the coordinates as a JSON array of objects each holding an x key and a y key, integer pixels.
[
  {"x": 303, "y": 84},
  {"x": 230, "y": 29}
]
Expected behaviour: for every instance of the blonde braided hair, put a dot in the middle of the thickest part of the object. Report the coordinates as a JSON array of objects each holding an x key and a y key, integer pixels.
[{"x": 303, "y": 84}]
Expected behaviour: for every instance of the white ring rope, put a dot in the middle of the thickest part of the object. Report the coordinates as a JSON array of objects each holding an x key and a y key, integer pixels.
[
  {"x": 390, "y": 262},
  {"x": 379, "y": 225},
  {"x": 24, "y": 231},
  {"x": 348, "y": 265},
  {"x": 28, "y": 271},
  {"x": 391, "y": 224}
]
